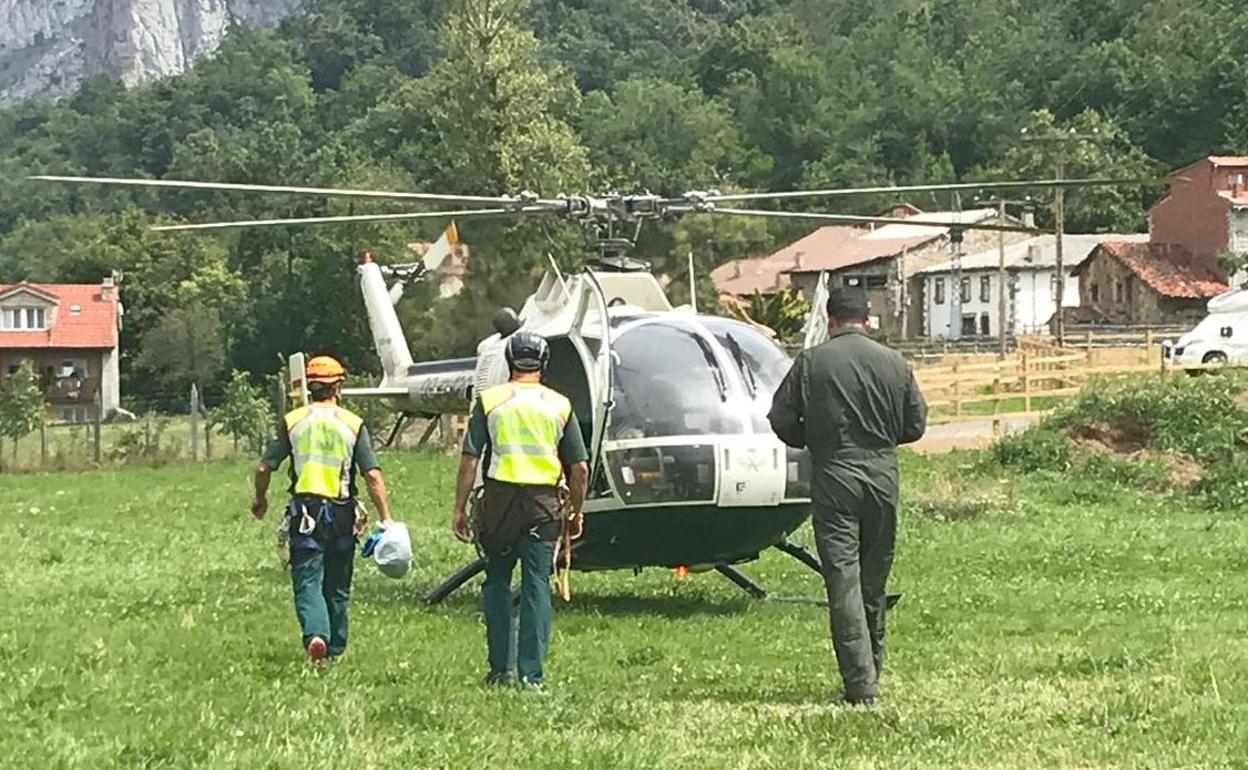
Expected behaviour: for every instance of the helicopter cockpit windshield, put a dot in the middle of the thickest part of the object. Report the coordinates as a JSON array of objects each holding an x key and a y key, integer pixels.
[
  {"x": 760, "y": 363},
  {"x": 668, "y": 382},
  {"x": 689, "y": 396}
]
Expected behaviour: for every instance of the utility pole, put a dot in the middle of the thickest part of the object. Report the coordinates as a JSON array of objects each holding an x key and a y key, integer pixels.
[
  {"x": 955, "y": 290},
  {"x": 1004, "y": 300},
  {"x": 1060, "y": 139},
  {"x": 1001, "y": 280},
  {"x": 1059, "y": 266}
]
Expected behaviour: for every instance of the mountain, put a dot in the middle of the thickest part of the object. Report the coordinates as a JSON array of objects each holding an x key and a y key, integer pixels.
[{"x": 48, "y": 47}]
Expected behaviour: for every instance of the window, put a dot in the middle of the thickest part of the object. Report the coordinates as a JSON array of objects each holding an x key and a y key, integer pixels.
[
  {"x": 985, "y": 289},
  {"x": 1096, "y": 293},
  {"x": 866, "y": 281},
  {"x": 76, "y": 414},
  {"x": 968, "y": 324},
  {"x": 966, "y": 289},
  {"x": 985, "y": 326},
  {"x": 1120, "y": 293},
  {"x": 23, "y": 319},
  {"x": 668, "y": 382},
  {"x": 938, "y": 291},
  {"x": 73, "y": 367}
]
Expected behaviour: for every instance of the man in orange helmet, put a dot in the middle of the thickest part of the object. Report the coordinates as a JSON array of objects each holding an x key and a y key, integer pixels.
[{"x": 327, "y": 445}]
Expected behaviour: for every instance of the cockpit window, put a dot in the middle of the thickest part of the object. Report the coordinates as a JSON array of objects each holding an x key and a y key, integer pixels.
[
  {"x": 668, "y": 383},
  {"x": 767, "y": 361},
  {"x": 762, "y": 364}
]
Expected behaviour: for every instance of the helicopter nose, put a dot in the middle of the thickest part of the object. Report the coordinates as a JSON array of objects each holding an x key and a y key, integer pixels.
[{"x": 753, "y": 471}]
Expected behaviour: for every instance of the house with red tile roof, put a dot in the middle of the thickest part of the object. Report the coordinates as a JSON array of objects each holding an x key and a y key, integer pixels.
[
  {"x": 884, "y": 259},
  {"x": 1123, "y": 282},
  {"x": 1205, "y": 208},
  {"x": 70, "y": 333}
]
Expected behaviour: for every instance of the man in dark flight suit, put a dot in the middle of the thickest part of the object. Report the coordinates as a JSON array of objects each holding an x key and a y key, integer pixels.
[{"x": 851, "y": 401}]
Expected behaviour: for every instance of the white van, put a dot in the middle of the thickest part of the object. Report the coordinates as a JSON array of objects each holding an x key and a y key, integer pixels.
[{"x": 1222, "y": 337}]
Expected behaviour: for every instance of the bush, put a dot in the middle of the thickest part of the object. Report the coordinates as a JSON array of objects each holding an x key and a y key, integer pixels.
[
  {"x": 1146, "y": 472},
  {"x": 1040, "y": 448},
  {"x": 1224, "y": 487},
  {"x": 1196, "y": 416}
]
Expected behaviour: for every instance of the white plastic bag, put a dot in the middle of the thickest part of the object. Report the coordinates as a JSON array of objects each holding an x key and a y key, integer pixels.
[{"x": 393, "y": 553}]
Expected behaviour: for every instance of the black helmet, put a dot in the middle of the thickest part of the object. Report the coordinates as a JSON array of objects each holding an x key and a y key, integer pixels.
[{"x": 527, "y": 352}]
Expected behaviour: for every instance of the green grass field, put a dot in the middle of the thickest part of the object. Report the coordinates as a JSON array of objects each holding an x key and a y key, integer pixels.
[{"x": 1053, "y": 624}]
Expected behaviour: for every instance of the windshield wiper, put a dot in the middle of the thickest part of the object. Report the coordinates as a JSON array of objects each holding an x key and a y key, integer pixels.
[
  {"x": 709, "y": 355},
  {"x": 747, "y": 373}
]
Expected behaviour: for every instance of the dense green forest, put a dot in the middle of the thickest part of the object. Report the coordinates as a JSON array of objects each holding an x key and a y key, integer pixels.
[{"x": 493, "y": 96}]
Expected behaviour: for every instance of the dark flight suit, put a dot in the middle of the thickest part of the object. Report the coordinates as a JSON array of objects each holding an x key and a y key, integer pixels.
[{"x": 851, "y": 401}]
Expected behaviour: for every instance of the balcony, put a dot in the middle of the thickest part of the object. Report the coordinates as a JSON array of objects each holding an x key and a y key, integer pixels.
[{"x": 72, "y": 390}]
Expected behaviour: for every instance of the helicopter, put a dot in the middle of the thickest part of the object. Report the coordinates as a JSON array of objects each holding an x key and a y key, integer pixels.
[{"x": 685, "y": 471}]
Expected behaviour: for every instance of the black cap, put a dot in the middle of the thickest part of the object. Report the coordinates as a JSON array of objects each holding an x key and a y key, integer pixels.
[{"x": 848, "y": 305}]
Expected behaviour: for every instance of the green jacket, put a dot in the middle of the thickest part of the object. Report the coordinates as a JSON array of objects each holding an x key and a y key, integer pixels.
[{"x": 847, "y": 395}]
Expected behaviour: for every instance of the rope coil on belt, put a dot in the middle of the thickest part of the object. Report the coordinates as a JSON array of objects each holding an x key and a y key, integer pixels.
[{"x": 561, "y": 575}]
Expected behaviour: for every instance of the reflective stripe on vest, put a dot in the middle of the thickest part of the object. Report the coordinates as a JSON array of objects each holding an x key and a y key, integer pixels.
[
  {"x": 322, "y": 448},
  {"x": 526, "y": 423}
]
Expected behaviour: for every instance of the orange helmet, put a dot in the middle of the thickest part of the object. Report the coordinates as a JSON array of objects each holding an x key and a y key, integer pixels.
[{"x": 325, "y": 369}]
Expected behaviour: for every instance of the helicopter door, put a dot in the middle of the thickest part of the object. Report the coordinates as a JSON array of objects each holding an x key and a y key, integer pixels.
[
  {"x": 816, "y": 331},
  {"x": 592, "y": 314}
]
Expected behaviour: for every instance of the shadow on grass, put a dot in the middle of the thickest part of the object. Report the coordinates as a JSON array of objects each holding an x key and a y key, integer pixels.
[{"x": 468, "y": 600}]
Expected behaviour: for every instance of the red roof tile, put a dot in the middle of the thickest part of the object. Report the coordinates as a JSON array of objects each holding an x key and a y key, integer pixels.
[
  {"x": 94, "y": 327},
  {"x": 1170, "y": 269},
  {"x": 838, "y": 246}
]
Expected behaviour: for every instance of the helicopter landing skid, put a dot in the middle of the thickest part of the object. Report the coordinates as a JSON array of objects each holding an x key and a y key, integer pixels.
[
  {"x": 801, "y": 554},
  {"x": 399, "y": 425},
  {"x": 468, "y": 572},
  {"x": 742, "y": 580}
]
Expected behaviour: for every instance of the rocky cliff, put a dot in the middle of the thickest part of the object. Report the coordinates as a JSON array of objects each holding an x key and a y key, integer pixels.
[{"x": 48, "y": 47}]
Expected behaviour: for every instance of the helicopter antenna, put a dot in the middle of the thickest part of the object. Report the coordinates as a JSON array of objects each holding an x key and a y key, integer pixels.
[
  {"x": 693, "y": 285},
  {"x": 555, "y": 266}
]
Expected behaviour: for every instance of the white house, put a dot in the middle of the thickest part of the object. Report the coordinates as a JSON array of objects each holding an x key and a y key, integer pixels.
[{"x": 1029, "y": 268}]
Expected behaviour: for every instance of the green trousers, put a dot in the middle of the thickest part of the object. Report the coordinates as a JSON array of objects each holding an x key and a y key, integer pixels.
[
  {"x": 526, "y": 653},
  {"x": 855, "y": 523},
  {"x": 322, "y": 586}
]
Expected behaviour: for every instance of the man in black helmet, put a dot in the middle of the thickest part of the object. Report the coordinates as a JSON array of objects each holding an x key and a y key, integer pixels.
[
  {"x": 529, "y": 439},
  {"x": 851, "y": 401}
]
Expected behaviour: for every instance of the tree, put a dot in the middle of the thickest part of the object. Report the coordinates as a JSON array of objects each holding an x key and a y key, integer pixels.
[
  {"x": 246, "y": 415},
  {"x": 1089, "y": 145},
  {"x": 784, "y": 312},
  {"x": 21, "y": 404},
  {"x": 186, "y": 346}
]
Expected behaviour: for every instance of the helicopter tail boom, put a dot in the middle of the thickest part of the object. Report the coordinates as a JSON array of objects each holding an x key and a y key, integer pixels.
[{"x": 396, "y": 358}]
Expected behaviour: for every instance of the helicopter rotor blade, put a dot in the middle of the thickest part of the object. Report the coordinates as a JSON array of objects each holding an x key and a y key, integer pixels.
[
  {"x": 845, "y": 191},
  {"x": 854, "y": 219},
  {"x": 461, "y": 214},
  {"x": 266, "y": 188}
]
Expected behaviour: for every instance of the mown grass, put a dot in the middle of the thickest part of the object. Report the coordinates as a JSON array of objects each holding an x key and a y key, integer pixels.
[{"x": 1053, "y": 623}]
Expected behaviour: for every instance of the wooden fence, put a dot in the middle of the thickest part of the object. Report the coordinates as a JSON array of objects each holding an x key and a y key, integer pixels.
[{"x": 1028, "y": 383}]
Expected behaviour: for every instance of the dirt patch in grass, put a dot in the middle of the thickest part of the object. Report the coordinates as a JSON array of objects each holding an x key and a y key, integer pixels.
[
  {"x": 1129, "y": 442},
  {"x": 1184, "y": 469},
  {"x": 1123, "y": 438}
]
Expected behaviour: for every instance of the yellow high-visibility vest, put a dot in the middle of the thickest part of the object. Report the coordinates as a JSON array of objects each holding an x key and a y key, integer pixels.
[
  {"x": 526, "y": 423},
  {"x": 322, "y": 448}
]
